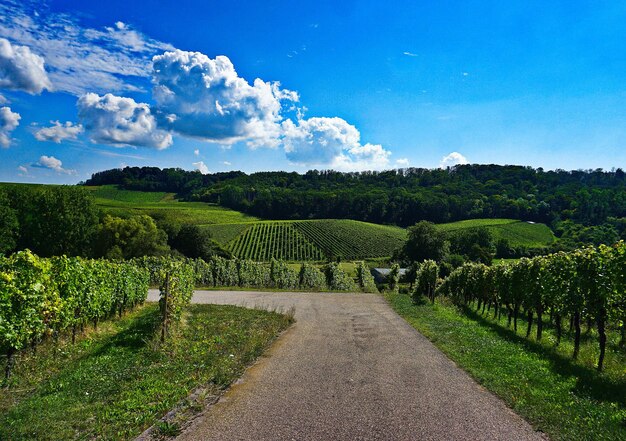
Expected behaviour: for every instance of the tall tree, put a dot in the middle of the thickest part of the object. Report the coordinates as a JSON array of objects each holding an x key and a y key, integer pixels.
[{"x": 425, "y": 242}]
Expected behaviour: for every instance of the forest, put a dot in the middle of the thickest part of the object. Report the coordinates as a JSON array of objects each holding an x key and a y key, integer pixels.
[
  {"x": 581, "y": 206},
  {"x": 402, "y": 197}
]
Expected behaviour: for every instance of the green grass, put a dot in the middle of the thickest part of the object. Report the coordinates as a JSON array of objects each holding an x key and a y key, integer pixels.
[
  {"x": 115, "y": 383},
  {"x": 518, "y": 233},
  {"x": 161, "y": 205},
  {"x": 568, "y": 400}
]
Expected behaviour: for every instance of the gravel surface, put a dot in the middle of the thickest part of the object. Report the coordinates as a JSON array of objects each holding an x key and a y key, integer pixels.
[{"x": 351, "y": 369}]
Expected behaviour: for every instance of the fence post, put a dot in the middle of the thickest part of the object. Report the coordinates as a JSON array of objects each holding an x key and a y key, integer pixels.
[{"x": 165, "y": 307}]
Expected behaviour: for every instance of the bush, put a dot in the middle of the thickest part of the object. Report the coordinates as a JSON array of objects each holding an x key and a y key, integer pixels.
[
  {"x": 176, "y": 287},
  {"x": 337, "y": 280},
  {"x": 312, "y": 278},
  {"x": 393, "y": 278},
  {"x": 282, "y": 276},
  {"x": 426, "y": 282},
  {"x": 253, "y": 274},
  {"x": 365, "y": 278},
  {"x": 225, "y": 272}
]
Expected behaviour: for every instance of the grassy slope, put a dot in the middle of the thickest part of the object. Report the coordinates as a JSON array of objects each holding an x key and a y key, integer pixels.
[
  {"x": 345, "y": 238},
  {"x": 519, "y": 233},
  {"x": 117, "y": 382},
  {"x": 158, "y": 204},
  {"x": 568, "y": 400}
]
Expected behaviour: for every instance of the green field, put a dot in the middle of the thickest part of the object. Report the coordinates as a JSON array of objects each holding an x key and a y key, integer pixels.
[
  {"x": 309, "y": 240},
  {"x": 313, "y": 240},
  {"x": 162, "y": 205},
  {"x": 518, "y": 233},
  {"x": 116, "y": 382},
  {"x": 280, "y": 240}
]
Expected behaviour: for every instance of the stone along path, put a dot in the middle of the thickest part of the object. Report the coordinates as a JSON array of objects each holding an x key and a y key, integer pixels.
[{"x": 351, "y": 369}]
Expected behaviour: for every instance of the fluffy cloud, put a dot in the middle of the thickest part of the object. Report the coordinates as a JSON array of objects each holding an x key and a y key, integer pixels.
[
  {"x": 454, "y": 158},
  {"x": 79, "y": 59},
  {"x": 402, "y": 162},
  {"x": 20, "y": 69},
  {"x": 331, "y": 142},
  {"x": 201, "y": 167},
  {"x": 8, "y": 122},
  {"x": 59, "y": 132},
  {"x": 205, "y": 98},
  {"x": 119, "y": 121},
  {"x": 196, "y": 152},
  {"x": 52, "y": 163}
]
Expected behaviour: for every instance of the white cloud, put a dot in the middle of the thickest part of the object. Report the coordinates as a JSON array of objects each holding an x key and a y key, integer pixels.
[
  {"x": 79, "y": 59},
  {"x": 8, "y": 122},
  {"x": 196, "y": 152},
  {"x": 201, "y": 167},
  {"x": 23, "y": 171},
  {"x": 205, "y": 98},
  {"x": 227, "y": 163},
  {"x": 59, "y": 132},
  {"x": 454, "y": 158},
  {"x": 119, "y": 121},
  {"x": 409, "y": 54},
  {"x": 402, "y": 162},
  {"x": 52, "y": 163},
  {"x": 20, "y": 69},
  {"x": 333, "y": 143}
]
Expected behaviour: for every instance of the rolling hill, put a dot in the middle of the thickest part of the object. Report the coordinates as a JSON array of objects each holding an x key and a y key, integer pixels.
[
  {"x": 297, "y": 240},
  {"x": 163, "y": 205},
  {"x": 309, "y": 239},
  {"x": 518, "y": 233}
]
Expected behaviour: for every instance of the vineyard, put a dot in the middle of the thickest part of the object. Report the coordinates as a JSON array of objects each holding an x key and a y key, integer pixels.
[
  {"x": 312, "y": 240},
  {"x": 350, "y": 239},
  {"x": 46, "y": 298},
  {"x": 274, "y": 240},
  {"x": 42, "y": 298},
  {"x": 518, "y": 233},
  {"x": 585, "y": 286}
]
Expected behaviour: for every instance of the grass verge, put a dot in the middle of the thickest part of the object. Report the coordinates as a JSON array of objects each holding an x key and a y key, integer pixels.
[
  {"x": 567, "y": 400},
  {"x": 118, "y": 381}
]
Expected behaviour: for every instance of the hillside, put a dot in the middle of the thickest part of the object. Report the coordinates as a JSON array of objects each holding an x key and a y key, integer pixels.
[
  {"x": 161, "y": 205},
  {"x": 397, "y": 197},
  {"x": 248, "y": 237},
  {"x": 518, "y": 233},
  {"x": 309, "y": 240},
  {"x": 321, "y": 239}
]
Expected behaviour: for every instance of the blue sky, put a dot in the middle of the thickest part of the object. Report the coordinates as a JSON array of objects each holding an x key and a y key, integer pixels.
[{"x": 343, "y": 85}]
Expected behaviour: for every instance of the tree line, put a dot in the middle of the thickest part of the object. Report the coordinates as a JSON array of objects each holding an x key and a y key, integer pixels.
[
  {"x": 64, "y": 220},
  {"x": 585, "y": 198}
]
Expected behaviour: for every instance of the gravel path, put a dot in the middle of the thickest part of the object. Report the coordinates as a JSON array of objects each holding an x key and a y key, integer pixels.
[{"x": 351, "y": 369}]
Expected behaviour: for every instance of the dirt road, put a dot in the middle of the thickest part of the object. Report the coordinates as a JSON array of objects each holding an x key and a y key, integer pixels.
[{"x": 351, "y": 369}]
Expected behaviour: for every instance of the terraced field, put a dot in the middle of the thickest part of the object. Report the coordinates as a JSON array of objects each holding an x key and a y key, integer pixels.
[{"x": 518, "y": 233}]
